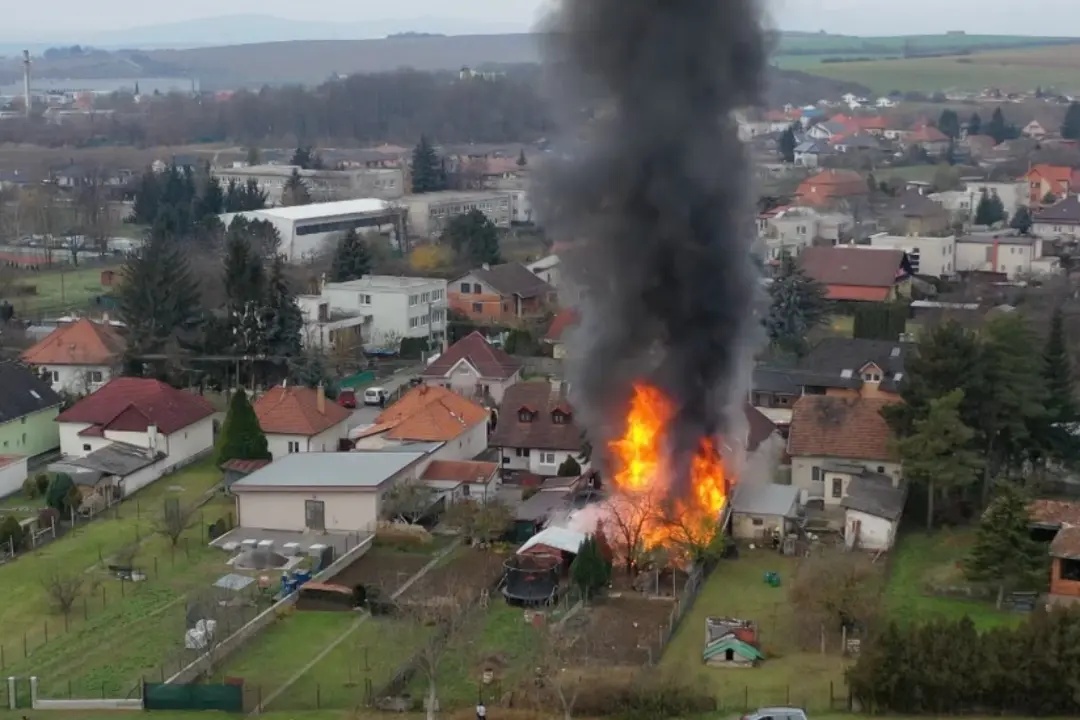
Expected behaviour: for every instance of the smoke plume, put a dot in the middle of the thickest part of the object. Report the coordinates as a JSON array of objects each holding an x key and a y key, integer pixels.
[{"x": 651, "y": 192}]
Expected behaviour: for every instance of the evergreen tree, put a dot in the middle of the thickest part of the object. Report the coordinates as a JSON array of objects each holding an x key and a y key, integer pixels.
[
  {"x": 1061, "y": 405},
  {"x": 949, "y": 123},
  {"x": 522, "y": 161},
  {"x": 284, "y": 322},
  {"x": 251, "y": 196},
  {"x": 589, "y": 572},
  {"x": 1021, "y": 221},
  {"x": 147, "y": 199},
  {"x": 797, "y": 305},
  {"x": 1049, "y": 198},
  {"x": 1070, "y": 128},
  {"x": 938, "y": 454},
  {"x": 474, "y": 238},
  {"x": 427, "y": 173},
  {"x": 158, "y": 298},
  {"x": 241, "y": 437},
  {"x": 990, "y": 209},
  {"x": 295, "y": 191},
  {"x": 997, "y": 128},
  {"x": 1004, "y": 553},
  {"x": 308, "y": 369},
  {"x": 974, "y": 124},
  {"x": 244, "y": 280},
  {"x": 787, "y": 145},
  {"x": 254, "y": 157},
  {"x": 212, "y": 200},
  {"x": 569, "y": 467},
  {"x": 60, "y": 495},
  {"x": 352, "y": 259}
]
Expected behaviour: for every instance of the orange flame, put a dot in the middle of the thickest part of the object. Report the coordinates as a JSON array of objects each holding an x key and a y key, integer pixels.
[{"x": 641, "y": 468}]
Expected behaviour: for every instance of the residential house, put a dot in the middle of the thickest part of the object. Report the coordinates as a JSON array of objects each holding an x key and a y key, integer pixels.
[
  {"x": 809, "y": 153},
  {"x": 134, "y": 430},
  {"x": 859, "y": 273},
  {"x": 79, "y": 357},
  {"x": 832, "y": 186},
  {"x": 548, "y": 269},
  {"x": 1060, "y": 220},
  {"x": 474, "y": 368},
  {"x": 1050, "y": 180},
  {"x": 28, "y": 410},
  {"x": 463, "y": 480},
  {"x": 1015, "y": 256},
  {"x": 826, "y": 130},
  {"x": 536, "y": 430},
  {"x": 931, "y": 256},
  {"x": 856, "y": 142},
  {"x": 790, "y": 229},
  {"x": 324, "y": 492},
  {"x": 502, "y": 293},
  {"x": 979, "y": 145},
  {"x": 297, "y": 419},
  {"x": 1034, "y": 129},
  {"x": 1059, "y": 522},
  {"x": 328, "y": 328},
  {"x": 1013, "y": 194},
  {"x": 873, "y": 505},
  {"x": 913, "y": 213},
  {"x": 885, "y": 102},
  {"x": 558, "y": 330},
  {"x": 394, "y": 307},
  {"x": 762, "y": 509},
  {"x": 429, "y": 414},
  {"x": 930, "y": 139}
]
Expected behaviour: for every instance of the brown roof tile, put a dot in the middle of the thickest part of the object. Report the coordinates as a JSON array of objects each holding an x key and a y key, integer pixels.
[
  {"x": 489, "y": 361},
  {"x": 562, "y": 322},
  {"x": 838, "y": 427},
  {"x": 295, "y": 411},
  {"x": 131, "y": 404},
  {"x": 428, "y": 414},
  {"x": 83, "y": 342},
  {"x": 1054, "y": 512},
  {"x": 1066, "y": 543},
  {"x": 466, "y": 471},
  {"x": 513, "y": 279},
  {"x": 541, "y": 432},
  {"x": 852, "y": 266}
]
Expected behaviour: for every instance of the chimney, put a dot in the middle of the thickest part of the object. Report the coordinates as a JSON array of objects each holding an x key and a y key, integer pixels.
[
  {"x": 26, "y": 81},
  {"x": 320, "y": 399},
  {"x": 151, "y": 437}
]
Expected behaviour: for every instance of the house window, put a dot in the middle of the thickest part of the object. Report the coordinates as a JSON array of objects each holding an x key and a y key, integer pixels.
[
  {"x": 55, "y": 376},
  {"x": 758, "y": 522},
  {"x": 815, "y": 474},
  {"x": 881, "y": 469},
  {"x": 525, "y": 415},
  {"x": 95, "y": 376},
  {"x": 476, "y": 288},
  {"x": 558, "y": 417},
  {"x": 294, "y": 446},
  {"x": 477, "y": 307},
  {"x": 871, "y": 377},
  {"x": 547, "y": 458},
  {"x": 837, "y": 487},
  {"x": 465, "y": 288},
  {"x": 86, "y": 447},
  {"x": 23, "y": 420},
  {"x": 465, "y": 491}
]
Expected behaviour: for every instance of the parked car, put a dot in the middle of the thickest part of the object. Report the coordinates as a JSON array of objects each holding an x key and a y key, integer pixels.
[
  {"x": 776, "y": 713},
  {"x": 347, "y": 398},
  {"x": 376, "y": 396}
]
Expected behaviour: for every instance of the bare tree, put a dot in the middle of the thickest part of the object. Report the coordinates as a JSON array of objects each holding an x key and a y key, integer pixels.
[
  {"x": 407, "y": 501},
  {"x": 561, "y": 664},
  {"x": 174, "y": 521},
  {"x": 445, "y": 609},
  {"x": 630, "y": 517},
  {"x": 482, "y": 521},
  {"x": 92, "y": 212},
  {"x": 834, "y": 589},
  {"x": 63, "y": 587}
]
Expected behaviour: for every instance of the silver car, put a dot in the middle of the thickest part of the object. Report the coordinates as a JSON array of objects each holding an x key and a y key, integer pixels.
[{"x": 776, "y": 713}]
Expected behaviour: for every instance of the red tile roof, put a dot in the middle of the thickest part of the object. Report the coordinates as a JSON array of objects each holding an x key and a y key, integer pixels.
[
  {"x": 560, "y": 324},
  {"x": 428, "y": 413},
  {"x": 244, "y": 466},
  {"x": 465, "y": 471},
  {"x": 836, "y": 427},
  {"x": 1066, "y": 543},
  {"x": 1054, "y": 512},
  {"x": 295, "y": 411},
  {"x": 488, "y": 360},
  {"x": 927, "y": 133},
  {"x": 83, "y": 342},
  {"x": 1061, "y": 178},
  {"x": 847, "y": 267},
  {"x": 541, "y": 432},
  {"x": 132, "y": 404}
]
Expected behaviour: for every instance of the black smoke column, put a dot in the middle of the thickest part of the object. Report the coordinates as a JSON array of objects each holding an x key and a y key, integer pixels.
[{"x": 652, "y": 194}]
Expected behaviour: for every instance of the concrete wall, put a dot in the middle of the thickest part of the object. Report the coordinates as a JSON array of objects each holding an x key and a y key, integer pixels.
[
  {"x": 285, "y": 510},
  {"x": 81, "y": 704},
  {"x": 235, "y": 641},
  {"x": 875, "y": 533},
  {"x": 12, "y": 476}
]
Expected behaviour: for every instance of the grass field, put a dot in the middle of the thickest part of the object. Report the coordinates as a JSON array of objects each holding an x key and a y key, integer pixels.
[
  {"x": 116, "y": 631},
  {"x": 790, "y": 675},
  {"x": 59, "y": 290},
  {"x": 922, "y": 558}
]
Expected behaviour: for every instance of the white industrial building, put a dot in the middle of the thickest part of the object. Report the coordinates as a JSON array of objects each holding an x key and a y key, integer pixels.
[
  {"x": 322, "y": 185},
  {"x": 429, "y": 212},
  {"x": 395, "y": 307},
  {"x": 306, "y": 230}
]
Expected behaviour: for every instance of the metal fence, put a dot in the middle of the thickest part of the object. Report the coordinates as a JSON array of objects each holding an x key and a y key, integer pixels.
[{"x": 224, "y": 697}]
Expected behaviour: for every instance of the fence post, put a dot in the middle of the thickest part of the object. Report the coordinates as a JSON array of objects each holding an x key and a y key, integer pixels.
[
  {"x": 155, "y": 567},
  {"x": 746, "y": 698},
  {"x": 46, "y": 631},
  {"x": 25, "y": 651},
  {"x": 102, "y": 689},
  {"x": 318, "y": 696}
]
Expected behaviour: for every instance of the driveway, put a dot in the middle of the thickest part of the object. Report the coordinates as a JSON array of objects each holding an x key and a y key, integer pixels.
[{"x": 396, "y": 383}]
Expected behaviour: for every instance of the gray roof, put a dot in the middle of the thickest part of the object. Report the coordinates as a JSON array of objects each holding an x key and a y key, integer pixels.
[
  {"x": 23, "y": 392},
  {"x": 811, "y": 146},
  {"x": 357, "y": 469},
  {"x": 833, "y": 127},
  {"x": 760, "y": 498},
  {"x": 116, "y": 458},
  {"x": 875, "y": 495}
]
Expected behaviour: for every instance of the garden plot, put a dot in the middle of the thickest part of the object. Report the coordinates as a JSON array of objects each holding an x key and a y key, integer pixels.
[{"x": 382, "y": 568}]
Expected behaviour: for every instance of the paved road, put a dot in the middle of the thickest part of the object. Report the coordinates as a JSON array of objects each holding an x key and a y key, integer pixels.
[{"x": 363, "y": 415}]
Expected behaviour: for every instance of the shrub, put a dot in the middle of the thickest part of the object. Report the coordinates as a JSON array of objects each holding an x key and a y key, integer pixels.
[
  {"x": 29, "y": 489},
  {"x": 401, "y": 537},
  {"x": 641, "y": 696},
  {"x": 11, "y": 534},
  {"x": 569, "y": 467},
  {"x": 41, "y": 480},
  {"x": 46, "y": 517},
  {"x": 59, "y": 495}
]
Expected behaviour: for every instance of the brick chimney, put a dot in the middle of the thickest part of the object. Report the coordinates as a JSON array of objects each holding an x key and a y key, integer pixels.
[{"x": 320, "y": 399}]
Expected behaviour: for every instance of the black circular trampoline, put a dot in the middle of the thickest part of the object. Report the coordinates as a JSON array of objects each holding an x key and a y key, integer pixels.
[{"x": 531, "y": 579}]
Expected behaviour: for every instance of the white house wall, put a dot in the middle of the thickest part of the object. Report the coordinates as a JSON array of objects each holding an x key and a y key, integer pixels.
[
  {"x": 326, "y": 441},
  {"x": 802, "y": 474},
  {"x": 539, "y": 462},
  {"x": 465, "y": 446},
  {"x": 12, "y": 477},
  {"x": 356, "y": 511},
  {"x": 463, "y": 379},
  {"x": 75, "y": 379},
  {"x": 875, "y": 533},
  {"x": 179, "y": 446}
]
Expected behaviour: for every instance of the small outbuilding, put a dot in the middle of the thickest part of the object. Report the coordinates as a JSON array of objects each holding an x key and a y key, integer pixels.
[
  {"x": 872, "y": 509},
  {"x": 761, "y": 510}
]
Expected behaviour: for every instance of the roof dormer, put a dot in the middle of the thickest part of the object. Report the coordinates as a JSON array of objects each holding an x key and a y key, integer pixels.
[
  {"x": 526, "y": 414},
  {"x": 561, "y": 415}
]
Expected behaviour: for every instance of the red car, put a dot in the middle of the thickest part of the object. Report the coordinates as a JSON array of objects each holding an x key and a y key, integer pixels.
[{"x": 347, "y": 398}]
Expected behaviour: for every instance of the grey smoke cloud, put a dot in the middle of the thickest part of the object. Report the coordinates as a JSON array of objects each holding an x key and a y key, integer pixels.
[{"x": 653, "y": 196}]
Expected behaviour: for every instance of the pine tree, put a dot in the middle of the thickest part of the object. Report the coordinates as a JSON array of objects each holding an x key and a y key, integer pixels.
[
  {"x": 474, "y": 238},
  {"x": 158, "y": 298},
  {"x": 569, "y": 467},
  {"x": 244, "y": 280},
  {"x": 589, "y": 572},
  {"x": 284, "y": 322},
  {"x": 295, "y": 191},
  {"x": 1021, "y": 220},
  {"x": 212, "y": 200},
  {"x": 426, "y": 168},
  {"x": 974, "y": 124},
  {"x": 990, "y": 209},
  {"x": 949, "y": 123},
  {"x": 308, "y": 369},
  {"x": 352, "y": 259},
  {"x": 241, "y": 437},
  {"x": 938, "y": 454},
  {"x": 787, "y": 145},
  {"x": 1070, "y": 128},
  {"x": 251, "y": 196},
  {"x": 1004, "y": 553},
  {"x": 997, "y": 128},
  {"x": 1049, "y": 198},
  {"x": 1053, "y": 434},
  {"x": 147, "y": 199},
  {"x": 797, "y": 305},
  {"x": 522, "y": 161}
]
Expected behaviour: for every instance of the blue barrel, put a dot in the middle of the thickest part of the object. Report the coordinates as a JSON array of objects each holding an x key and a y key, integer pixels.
[{"x": 301, "y": 577}]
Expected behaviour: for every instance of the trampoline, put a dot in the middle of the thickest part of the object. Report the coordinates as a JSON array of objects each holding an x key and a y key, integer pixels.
[{"x": 531, "y": 579}]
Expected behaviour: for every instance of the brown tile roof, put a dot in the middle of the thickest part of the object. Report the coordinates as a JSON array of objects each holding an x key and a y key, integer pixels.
[
  {"x": 838, "y": 427},
  {"x": 852, "y": 266},
  {"x": 83, "y": 342},
  {"x": 130, "y": 404},
  {"x": 513, "y": 279},
  {"x": 489, "y": 361},
  {"x": 466, "y": 471},
  {"x": 428, "y": 414},
  {"x": 542, "y": 432},
  {"x": 1054, "y": 512},
  {"x": 295, "y": 411},
  {"x": 1066, "y": 543},
  {"x": 566, "y": 319}
]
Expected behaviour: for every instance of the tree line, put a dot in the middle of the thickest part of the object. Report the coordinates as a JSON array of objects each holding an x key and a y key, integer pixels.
[{"x": 947, "y": 667}]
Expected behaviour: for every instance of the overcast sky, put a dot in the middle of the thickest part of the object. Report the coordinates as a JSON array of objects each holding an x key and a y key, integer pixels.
[{"x": 867, "y": 17}]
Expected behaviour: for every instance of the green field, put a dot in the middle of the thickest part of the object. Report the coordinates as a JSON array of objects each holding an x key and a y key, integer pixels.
[
  {"x": 59, "y": 290},
  {"x": 793, "y": 43}
]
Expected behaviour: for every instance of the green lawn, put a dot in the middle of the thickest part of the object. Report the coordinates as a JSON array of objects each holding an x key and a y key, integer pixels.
[
  {"x": 60, "y": 289},
  {"x": 921, "y": 558},
  {"x": 790, "y": 675},
  {"x": 116, "y": 631}
]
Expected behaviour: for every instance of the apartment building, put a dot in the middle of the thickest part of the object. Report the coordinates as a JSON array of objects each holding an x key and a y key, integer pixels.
[
  {"x": 932, "y": 256},
  {"x": 396, "y": 307},
  {"x": 429, "y": 212}
]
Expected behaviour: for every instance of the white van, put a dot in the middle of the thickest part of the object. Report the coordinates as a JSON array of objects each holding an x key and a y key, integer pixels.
[{"x": 376, "y": 396}]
